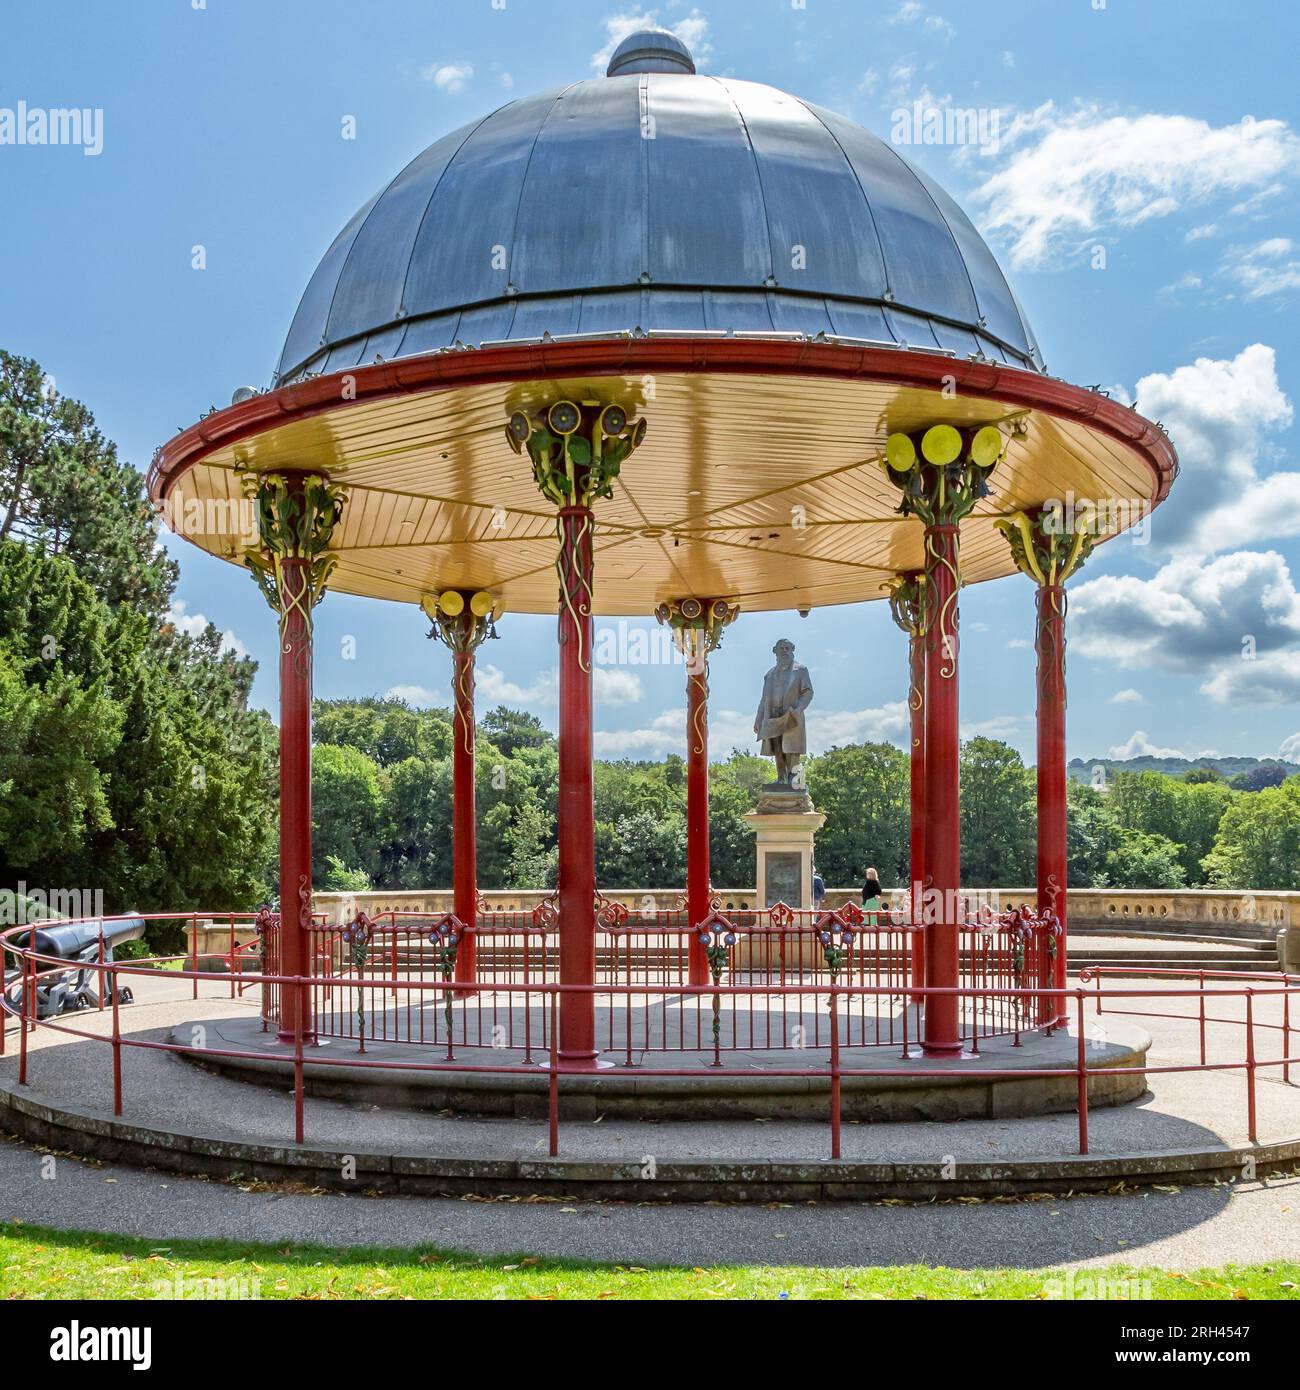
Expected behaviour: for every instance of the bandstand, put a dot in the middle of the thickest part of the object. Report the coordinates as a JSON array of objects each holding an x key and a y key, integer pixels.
[{"x": 660, "y": 343}]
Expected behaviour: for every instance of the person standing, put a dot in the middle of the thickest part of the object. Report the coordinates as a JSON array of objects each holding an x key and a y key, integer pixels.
[
  {"x": 871, "y": 891},
  {"x": 818, "y": 889}
]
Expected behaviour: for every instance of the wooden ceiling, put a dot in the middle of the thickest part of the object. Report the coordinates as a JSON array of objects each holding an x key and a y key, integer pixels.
[{"x": 762, "y": 488}]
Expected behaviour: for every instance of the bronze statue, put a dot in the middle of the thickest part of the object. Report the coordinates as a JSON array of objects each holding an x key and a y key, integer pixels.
[{"x": 779, "y": 724}]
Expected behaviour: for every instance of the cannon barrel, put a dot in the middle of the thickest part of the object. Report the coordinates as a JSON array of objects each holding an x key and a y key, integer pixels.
[
  {"x": 84, "y": 945},
  {"x": 68, "y": 940}
]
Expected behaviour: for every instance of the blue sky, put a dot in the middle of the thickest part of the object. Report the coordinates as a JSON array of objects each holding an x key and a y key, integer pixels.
[{"x": 1142, "y": 196}]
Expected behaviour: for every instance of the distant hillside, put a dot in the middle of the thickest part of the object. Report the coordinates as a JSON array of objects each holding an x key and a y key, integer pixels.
[{"x": 1080, "y": 769}]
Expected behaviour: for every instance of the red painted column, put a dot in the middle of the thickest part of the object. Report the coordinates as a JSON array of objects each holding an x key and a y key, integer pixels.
[
  {"x": 941, "y": 1036},
  {"x": 464, "y": 867},
  {"x": 916, "y": 704},
  {"x": 1053, "y": 860},
  {"x": 295, "y": 797},
  {"x": 697, "y": 806},
  {"x": 575, "y": 816}
]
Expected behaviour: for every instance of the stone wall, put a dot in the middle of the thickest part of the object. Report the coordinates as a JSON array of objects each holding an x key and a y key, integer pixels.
[{"x": 1202, "y": 911}]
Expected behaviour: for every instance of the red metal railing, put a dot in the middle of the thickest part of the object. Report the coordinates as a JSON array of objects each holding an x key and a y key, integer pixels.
[
  {"x": 530, "y": 1009},
  {"x": 1004, "y": 957}
]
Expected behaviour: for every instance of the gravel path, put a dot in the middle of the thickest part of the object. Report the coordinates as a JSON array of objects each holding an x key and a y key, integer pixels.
[{"x": 1187, "y": 1229}]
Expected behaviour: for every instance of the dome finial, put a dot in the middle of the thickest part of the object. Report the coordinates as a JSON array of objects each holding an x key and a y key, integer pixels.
[{"x": 650, "y": 50}]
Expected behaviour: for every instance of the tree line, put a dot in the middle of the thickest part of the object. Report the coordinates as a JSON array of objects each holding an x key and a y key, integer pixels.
[
  {"x": 131, "y": 765},
  {"x": 383, "y": 813}
]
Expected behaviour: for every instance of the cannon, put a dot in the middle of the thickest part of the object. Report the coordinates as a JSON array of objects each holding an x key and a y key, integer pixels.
[{"x": 83, "y": 945}]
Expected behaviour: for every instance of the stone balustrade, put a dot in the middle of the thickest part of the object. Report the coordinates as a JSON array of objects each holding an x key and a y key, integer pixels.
[{"x": 1196, "y": 911}]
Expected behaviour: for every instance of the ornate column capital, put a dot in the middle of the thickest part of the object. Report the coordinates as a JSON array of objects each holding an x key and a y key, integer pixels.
[
  {"x": 296, "y": 517},
  {"x": 576, "y": 451},
  {"x": 1046, "y": 546},
  {"x": 462, "y": 619},
  {"x": 907, "y": 602},
  {"x": 697, "y": 623},
  {"x": 942, "y": 471}
]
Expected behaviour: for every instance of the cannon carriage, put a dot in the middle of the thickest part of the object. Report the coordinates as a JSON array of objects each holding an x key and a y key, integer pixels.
[{"x": 84, "y": 945}]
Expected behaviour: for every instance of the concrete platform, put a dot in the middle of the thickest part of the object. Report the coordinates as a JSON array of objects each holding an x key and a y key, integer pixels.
[
  {"x": 178, "y": 1117},
  {"x": 748, "y": 1086}
]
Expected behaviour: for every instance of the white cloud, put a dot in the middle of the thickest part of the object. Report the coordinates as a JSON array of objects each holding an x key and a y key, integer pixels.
[
  {"x": 1191, "y": 615},
  {"x": 1003, "y": 726},
  {"x": 1206, "y": 229},
  {"x": 666, "y": 732},
  {"x": 1290, "y": 749},
  {"x": 1069, "y": 176},
  {"x": 1228, "y": 615},
  {"x": 417, "y": 696},
  {"x": 1126, "y": 697},
  {"x": 901, "y": 73},
  {"x": 1188, "y": 281},
  {"x": 1008, "y": 58},
  {"x": 907, "y": 13},
  {"x": 1267, "y": 681},
  {"x": 195, "y": 624},
  {"x": 493, "y": 687},
  {"x": 938, "y": 25},
  {"x": 1269, "y": 267},
  {"x": 838, "y": 727},
  {"x": 692, "y": 30},
  {"x": 1218, "y": 413},
  {"x": 1138, "y": 745},
  {"x": 448, "y": 77},
  {"x": 1254, "y": 207},
  {"x": 615, "y": 687}
]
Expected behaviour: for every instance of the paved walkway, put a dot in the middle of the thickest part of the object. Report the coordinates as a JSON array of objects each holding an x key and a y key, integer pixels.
[{"x": 1188, "y": 1229}]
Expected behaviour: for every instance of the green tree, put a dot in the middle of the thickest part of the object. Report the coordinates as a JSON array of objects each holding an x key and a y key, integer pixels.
[
  {"x": 64, "y": 491},
  {"x": 339, "y": 878},
  {"x": 863, "y": 790},
  {"x": 515, "y": 825},
  {"x": 998, "y": 820},
  {"x": 732, "y": 856},
  {"x": 643, "y": 850},
  {"x": 512, "y": 730},
  {"x": 1259, "y": 778},
  {"x": 1258, "y": 841},
  {"x": 142, "y": 740},
  {"x": 1141, "y": 860},
  {"x": 57, "y": 735},
  {"x": 416, "y": 847},
  {"x": 1091, "y": 835},
  {"x": 347, "y": 809},
  {"x": 385, "y": 730},
  {"x": 531, "y": 843},
  {"x": 1184, "y": 812},
  {"x": 1201, "y": 809}
]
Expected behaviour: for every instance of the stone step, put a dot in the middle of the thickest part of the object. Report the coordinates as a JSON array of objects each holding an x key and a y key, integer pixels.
[
  {"x": 1254, "y": 941},
  {"x": 1184, "y": 964}
]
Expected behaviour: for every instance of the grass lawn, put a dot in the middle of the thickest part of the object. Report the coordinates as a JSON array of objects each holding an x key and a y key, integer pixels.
[{"x": 36, "y": 1262}]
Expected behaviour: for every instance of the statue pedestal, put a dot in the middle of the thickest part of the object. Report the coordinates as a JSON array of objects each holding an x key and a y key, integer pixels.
[{"x": 784, "y": 841}]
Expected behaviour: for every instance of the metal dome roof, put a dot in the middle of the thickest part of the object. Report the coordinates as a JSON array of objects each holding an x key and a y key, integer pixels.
[{"x": 655, "y": 201}]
